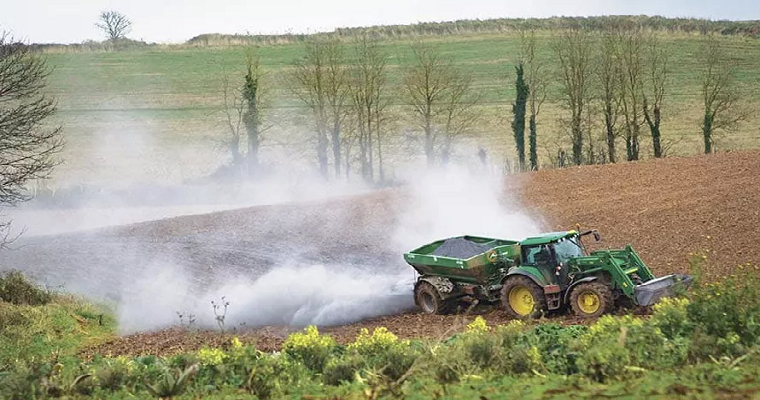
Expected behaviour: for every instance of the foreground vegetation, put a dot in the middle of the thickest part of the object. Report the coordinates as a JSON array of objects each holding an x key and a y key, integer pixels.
[
  {"x": 705, "y": 345},
  {"x": 36, "y": 324}
]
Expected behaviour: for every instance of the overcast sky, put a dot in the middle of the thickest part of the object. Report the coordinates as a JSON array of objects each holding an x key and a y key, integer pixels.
[{"x": 72, "y": 21}]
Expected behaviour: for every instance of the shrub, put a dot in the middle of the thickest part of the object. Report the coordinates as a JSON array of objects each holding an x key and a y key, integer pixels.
[
  {"x": 479, "y": 324},
  {"x": 208, "y": 356},
  {"x": 22, "y": 382},
  {"x": 310, "y": 348},
  {"x": 343, "y": 369},
  {"x": 182, "y": 361},
  {"x": 554, "y": 344},
  {"x": 517, "y": 354},
  {"x": 261, "y": 378},
  {"x": 15, "y": 288},
  {"x": 173, "y": 382},
  {"x": 380, "y": 340},
  {"x": 113, "y": 374},
  {"x": 11, "y": 316},
  {"x": 448, "y": 363},
  {"x": 382, "y": 351},
  {"x": 602, "y": 351},
  {"x": 672, "y": 318},
  {"x": 480, "y": 347},
  {"x": 725, "y": 316}
]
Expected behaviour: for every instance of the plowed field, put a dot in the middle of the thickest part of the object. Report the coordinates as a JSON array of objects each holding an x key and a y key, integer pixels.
[{"x": 667, "y": 209}]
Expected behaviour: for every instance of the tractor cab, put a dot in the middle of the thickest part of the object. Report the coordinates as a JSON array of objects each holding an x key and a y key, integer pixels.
[{"x": 550, "y": 253}]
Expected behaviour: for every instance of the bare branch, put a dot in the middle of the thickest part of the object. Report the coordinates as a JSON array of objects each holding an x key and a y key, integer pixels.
[
  {"x": 27, "y": 145},
  {"x": 114, "y": 24},
  {"x": 440, "y": 98},
  {"x": 573, "y": 49}
]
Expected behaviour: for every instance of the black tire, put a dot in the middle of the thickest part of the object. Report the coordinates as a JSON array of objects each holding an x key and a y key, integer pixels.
[
  {"x": 428, "y": 299},
  {"x": 522, "y": 284},
  {"x": 591, "y": 299}
]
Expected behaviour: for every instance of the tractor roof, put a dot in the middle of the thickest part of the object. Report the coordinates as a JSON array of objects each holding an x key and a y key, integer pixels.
[{"x": 547, "y": 238}]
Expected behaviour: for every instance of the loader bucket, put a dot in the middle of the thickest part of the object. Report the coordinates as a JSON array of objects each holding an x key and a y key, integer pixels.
[{"x": 652, "y": 291}]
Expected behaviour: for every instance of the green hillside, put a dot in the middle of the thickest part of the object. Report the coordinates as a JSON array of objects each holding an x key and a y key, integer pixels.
[{"x": 166, "y": 101}]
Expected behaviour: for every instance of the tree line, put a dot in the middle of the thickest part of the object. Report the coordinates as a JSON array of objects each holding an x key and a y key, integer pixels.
[
  {"x": 618, "y": 79},
  {"x": 345, "y": 88},
  {"x": 501, "y": 25},
  {"x": 614, "y": 82}
]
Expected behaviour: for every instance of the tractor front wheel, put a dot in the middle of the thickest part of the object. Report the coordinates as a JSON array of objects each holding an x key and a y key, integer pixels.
[
  {"x": 522, "y": 298},
  {"x": 426, "y": 296},
  {"x": 591, "y": 299}
]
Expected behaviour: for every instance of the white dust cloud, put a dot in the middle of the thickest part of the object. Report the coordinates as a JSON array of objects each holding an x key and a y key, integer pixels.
[{"x": 431, "y": 205}]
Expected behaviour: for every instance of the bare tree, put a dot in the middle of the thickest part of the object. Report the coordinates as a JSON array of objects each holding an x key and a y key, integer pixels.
[
  {"x": 309, "y": 76},
  {"x": 253, "y": 118},
  {"x": 441, "y": 100},
  {"x": 233, "y": 111},
  {"x": 243, "y": 109},
  {"x": 114, "y": 24},
  {"x": 27, "y": 144},
  {"x": 534, "y": 77},
  {"x": 337, "y": 95},
  {"x": 574, "y": 50},
  {"x": 367, "y": 84},
  {"x": 630, "y": 53},
  {"x": 458, "y": 112},
  {"x": 657, "y": 68},
  {"x": 722, "y": 110},
  {"x": 320, "y": 79},
  {"x": 608, "y": 76}
]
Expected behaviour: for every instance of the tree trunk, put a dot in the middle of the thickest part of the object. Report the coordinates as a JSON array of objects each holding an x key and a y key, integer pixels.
[
  {"x": 370, "y": 149},
  {"x": 322, "y": 144},
  {"x": 429, "y": 149},
  {"x": 632, "y": 143},
  {"x": 253, "y": 150},
  {"x": 532, "y": 142},
  {"x": 654, "y": 128},
  {"x": 707, "y": 132},
  {"x": 577, "y": 140},
  {"x": 635, "y": 144},
  {"x": 381, "y": 173},
  {"x": 336, "y": 147},
  {"x": 610, "y": 131}
]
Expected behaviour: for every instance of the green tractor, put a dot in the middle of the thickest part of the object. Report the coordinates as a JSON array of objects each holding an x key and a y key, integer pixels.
[{"x": 535, "y": 276}]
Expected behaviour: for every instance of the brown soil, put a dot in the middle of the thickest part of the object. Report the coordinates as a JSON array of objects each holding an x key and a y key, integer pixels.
[{"x": 666, "y": 209}]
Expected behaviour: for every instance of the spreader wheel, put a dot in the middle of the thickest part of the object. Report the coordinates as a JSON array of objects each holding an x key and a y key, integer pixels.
[
  {"x": 591, "y": 299},
  {"x": 426, "y": 296}
]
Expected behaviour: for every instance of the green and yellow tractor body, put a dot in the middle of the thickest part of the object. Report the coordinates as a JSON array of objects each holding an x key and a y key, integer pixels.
[{"x": 539, "y": 274}]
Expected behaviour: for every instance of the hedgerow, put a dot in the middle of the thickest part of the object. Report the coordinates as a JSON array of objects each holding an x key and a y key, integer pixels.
[{"x": 707, "y": 341}]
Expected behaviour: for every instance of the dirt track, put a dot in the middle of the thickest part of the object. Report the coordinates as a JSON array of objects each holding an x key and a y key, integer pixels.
[{"x": 665, "y": 208}]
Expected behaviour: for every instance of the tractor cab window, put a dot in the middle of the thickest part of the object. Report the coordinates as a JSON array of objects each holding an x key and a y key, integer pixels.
[
  {"x": 567, "y": 249},
  {"x": 537, "y": 254}
]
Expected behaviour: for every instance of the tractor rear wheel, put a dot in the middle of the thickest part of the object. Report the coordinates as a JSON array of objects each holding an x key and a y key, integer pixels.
[
  {"x": 426, "y": 296},
  {"x": 522, "y": 298},
  {"x": 591, "y": 299}
]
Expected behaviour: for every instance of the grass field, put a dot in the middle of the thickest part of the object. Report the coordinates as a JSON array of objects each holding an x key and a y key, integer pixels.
[{"x": 156, "y": 113}]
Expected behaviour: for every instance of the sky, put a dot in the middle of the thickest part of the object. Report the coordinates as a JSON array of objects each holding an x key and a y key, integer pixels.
[{"x": 175, "y": 21}]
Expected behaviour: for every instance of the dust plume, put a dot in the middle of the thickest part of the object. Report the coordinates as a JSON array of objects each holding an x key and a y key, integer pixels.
[{"x": 300, "y": 290}]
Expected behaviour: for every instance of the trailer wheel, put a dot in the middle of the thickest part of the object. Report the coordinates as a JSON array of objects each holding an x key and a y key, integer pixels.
[
  {"x": 591, "y": 299},
  {"x": 426, "y": 296},
  {"x": 522, "y": 298}
]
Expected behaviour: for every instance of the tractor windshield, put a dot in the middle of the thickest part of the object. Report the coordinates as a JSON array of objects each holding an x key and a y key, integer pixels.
[{"x": 567, "y": 249}]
